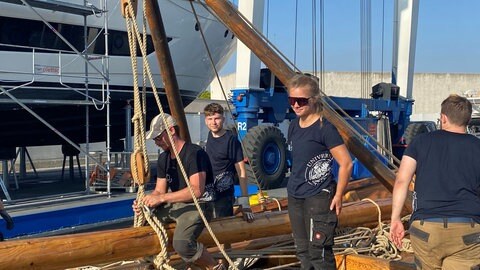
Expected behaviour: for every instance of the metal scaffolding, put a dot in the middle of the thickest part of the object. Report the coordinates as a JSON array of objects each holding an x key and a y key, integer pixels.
[{"x": 85, "y": 11}]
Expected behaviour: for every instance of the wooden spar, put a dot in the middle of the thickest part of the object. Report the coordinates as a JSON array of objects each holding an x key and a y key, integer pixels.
[
  {"x": 162, "y": 51},
  {"x": 228, "y": 14},
  {"x": 60, "y": 252}
]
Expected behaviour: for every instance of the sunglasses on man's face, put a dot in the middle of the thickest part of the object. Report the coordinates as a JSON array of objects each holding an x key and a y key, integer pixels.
[
  {"x": 301, "y": 101},
  {"x": 159, "y": 137}
]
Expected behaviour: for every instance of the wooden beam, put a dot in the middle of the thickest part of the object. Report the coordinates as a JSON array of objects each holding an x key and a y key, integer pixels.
[{"x": 60, "y": 252}]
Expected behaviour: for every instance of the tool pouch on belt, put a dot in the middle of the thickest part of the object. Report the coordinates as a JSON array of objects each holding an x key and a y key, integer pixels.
[{"x": 323, "y": 229}]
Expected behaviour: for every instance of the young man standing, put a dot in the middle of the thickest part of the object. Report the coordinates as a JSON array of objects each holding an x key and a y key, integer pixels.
[{"x": 226, "y": 156}]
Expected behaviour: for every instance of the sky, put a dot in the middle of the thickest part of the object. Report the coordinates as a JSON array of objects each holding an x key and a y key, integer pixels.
[{"x": 448, "y": 35}]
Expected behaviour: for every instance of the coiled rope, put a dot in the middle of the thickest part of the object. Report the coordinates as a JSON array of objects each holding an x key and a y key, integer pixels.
[{"x": 373, "y": 242}]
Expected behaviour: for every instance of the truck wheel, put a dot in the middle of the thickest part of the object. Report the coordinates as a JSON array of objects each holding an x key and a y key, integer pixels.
[
  {"x": 412, "y": 130},
  {"x": 265, "y": 148}
]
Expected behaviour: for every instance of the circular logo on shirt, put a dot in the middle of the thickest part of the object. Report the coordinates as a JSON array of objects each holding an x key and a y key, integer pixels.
[{"x": 318, "y": 169}]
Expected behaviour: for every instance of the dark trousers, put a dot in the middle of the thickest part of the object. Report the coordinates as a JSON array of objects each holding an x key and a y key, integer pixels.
[
  {"x": 223, "y": 207},
  {"x": 313, "y": 226}
]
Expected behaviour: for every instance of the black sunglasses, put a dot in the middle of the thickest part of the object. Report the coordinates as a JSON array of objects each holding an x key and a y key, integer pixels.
[
  {"x": 159, "y": 136},
  {"x": 301, "y": 101}
]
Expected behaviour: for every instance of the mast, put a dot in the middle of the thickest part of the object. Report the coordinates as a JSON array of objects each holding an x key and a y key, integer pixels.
[{"x": 164, "y": 58}]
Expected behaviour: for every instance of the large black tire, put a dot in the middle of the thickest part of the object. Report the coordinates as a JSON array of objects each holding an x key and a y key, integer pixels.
[
  {"x": 265, "y": 147},
  {"x": 412, "y": 130}
]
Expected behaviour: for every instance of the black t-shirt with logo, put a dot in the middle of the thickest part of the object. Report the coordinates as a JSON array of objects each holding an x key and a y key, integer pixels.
[
  {"x": 224, "y": 152},
  {"x": 447, "y": 182},
  {"x": 311, "y": 159},
  {"x": 194, "y": 160}
]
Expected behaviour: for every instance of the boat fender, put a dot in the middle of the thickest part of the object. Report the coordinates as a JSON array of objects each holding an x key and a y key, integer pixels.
[
  {"x": 140, "y": 175},
  {"x": 124, "y": 7}
]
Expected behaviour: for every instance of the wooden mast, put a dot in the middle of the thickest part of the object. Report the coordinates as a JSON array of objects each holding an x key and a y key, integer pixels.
[
  {"x": 60, "y": 252},
  {"x": 228, "y": 14},
  {"x": 162, "y": 51}
]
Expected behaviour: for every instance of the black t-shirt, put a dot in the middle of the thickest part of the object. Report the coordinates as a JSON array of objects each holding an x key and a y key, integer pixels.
[
  {"x": 194, "y": 160},
  {"x": 447, "y": 182},
  {"x": 224, "y": 152},
  {"x": 311, "y": 158}
]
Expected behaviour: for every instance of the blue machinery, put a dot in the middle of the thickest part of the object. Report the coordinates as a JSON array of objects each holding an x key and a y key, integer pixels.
[{"x": 265, "y": 145}]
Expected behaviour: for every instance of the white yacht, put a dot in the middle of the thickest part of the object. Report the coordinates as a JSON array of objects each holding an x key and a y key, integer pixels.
[{"x": 41, "y": 71}]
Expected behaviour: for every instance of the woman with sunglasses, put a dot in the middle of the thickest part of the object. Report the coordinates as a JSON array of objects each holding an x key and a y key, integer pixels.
[{"x": 314, "y": 197}]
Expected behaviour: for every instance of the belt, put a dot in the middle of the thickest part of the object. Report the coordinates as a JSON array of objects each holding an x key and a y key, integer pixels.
[{"x": 450, "y": 220}]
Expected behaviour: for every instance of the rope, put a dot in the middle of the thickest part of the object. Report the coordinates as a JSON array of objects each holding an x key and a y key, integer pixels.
[
  {"x": 161, "y": 260},
  {"x": 278, "y": 203},
  {"x": 372, "y": 242}
]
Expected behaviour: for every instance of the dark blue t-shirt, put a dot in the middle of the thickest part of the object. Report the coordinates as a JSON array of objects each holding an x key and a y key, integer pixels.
[
  {"x": 447, "y": 182},
  {"x": 224, "y": 152},
  {"x": 311, "y": 159},
  {"x": 194, "y": 160}
]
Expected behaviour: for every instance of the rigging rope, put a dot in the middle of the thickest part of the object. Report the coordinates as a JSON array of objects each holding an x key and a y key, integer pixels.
[
  {"x": 161, "y": 260},
  {"x": 140, "y": 166}
]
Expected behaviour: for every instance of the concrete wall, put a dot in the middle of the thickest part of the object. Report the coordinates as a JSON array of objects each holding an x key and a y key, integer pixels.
[{"x": 429, "y": 89}]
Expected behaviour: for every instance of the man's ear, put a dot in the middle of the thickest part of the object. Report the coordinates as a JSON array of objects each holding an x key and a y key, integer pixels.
[
  {"x": 443, "y": 118},
  {"x": 172, "y": 130}
]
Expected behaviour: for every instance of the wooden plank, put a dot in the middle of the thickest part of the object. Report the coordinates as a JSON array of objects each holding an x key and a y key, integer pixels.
[{"x": 362, "y": 262}]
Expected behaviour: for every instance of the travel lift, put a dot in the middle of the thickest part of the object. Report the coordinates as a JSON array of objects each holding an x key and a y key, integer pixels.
[{"x": 259, "y": 96}]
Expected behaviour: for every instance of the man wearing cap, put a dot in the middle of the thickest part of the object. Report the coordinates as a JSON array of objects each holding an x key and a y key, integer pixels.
[{"x": 177, "y": 205}]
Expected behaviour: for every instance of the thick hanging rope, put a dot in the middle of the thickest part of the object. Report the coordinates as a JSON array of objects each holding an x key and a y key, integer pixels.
[
  {"x": 139, "y": 159},
  {"x": 161, "y": 260}
]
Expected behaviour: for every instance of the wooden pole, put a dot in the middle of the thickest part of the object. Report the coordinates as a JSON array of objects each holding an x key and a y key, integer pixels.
[
  {"x": 164, "y": 58},
  {"x": 228, "y": 14},
  {"x": 60, "y": 252}
]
